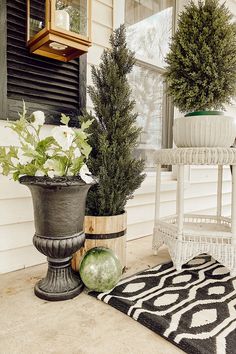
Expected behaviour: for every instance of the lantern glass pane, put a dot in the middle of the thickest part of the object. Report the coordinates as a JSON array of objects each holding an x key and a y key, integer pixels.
[
  {"x": 72, "y": 15},
  {"x": 37, "y": 17}
]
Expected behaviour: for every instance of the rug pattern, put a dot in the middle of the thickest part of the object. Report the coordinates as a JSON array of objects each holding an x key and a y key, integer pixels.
[{"x": 194, "y": 308}]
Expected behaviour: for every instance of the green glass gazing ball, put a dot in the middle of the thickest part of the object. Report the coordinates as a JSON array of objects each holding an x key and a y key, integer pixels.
[{"x": 100, "y": 269}]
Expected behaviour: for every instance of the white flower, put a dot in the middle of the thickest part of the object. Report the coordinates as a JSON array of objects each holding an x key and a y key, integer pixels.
[
  {"x": 30, "y": 130},
  {"x": 38, "y": 119},
  {"x": 85, "y": 174},
  {"x": 70, "y": 173},
  {"x": 1, "y": 169},
  {"x": 50, "y": 152},
  {"x": 53, "y": 167},
  {"x": 64, "y": 136},
  {"x": 51, "y": 174},
  {"x": 22, "y": 158},
  {"x": 15, "y": 161},
  {"x": 49, "y": 164},
  {"x": 39, "y": 173},
  {"x": 77, "y": 152}
]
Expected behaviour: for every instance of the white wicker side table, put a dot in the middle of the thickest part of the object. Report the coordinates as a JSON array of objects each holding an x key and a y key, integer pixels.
[{"x": 188, "y": 235}]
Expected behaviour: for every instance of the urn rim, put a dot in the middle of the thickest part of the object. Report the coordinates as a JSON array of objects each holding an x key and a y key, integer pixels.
[{"x": 56, "y": 181}]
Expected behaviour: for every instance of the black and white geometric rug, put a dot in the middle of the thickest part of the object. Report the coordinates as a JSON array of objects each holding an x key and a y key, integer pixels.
[{"x": 195, "y": 308}]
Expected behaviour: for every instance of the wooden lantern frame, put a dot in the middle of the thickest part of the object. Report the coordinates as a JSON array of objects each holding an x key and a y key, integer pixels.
[{"x": 76, "y": 44}]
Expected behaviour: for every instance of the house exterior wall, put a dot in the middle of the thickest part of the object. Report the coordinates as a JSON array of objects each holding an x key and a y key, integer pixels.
[{"x": 16, "y": 212}]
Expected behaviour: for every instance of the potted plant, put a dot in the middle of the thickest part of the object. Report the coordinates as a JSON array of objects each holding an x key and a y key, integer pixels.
[
  {"x": 114, "y": 136},
  {"x": 54, "y": 169},
  {"x": 201, "y": 74}
]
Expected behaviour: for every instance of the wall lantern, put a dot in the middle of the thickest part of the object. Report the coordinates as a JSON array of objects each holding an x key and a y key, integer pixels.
[{"x": 59, "y": 29}]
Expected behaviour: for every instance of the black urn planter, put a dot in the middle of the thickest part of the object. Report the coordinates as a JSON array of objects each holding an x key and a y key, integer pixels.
[{"x": 59, "y": 207}]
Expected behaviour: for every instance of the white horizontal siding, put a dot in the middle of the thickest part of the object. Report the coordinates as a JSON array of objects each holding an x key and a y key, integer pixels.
[
  {"x": 107, "y": 2},
  {"x": 100, "y": 34},
  {"x": 102, "y": 25},
  {"x": 19, "y": 258},
  {"x": 16, "y": 211},
  {"x": 16, "y": 235},
  {"x": 94, "y": 54},
  {"x": 102, "y": 14}
]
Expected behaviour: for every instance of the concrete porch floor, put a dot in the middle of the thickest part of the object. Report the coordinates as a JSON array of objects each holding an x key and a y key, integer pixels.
[{"x": 83, "y": 325}]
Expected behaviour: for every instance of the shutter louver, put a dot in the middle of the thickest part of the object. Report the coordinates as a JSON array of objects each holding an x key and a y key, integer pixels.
[{"x": 43, "y": 83}]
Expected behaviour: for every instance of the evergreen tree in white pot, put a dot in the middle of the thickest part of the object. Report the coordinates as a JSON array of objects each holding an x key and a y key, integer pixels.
[{"x": 201, "y": 74}]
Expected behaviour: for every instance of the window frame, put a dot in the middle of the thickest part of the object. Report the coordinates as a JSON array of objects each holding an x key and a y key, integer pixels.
[{"x": 168, "y": 107}]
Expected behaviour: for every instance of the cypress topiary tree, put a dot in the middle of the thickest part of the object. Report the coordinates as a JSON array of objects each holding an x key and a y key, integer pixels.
[
  {"x": 114, "y": 132},
  {"x": 201, "y": 64}
]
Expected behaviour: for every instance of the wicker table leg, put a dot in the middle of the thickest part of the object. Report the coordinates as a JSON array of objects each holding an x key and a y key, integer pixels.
[
  {"x": 180, "y": 201},
  {"x": 219, "y": 192},
  {"x": 233, "y": 206},
  {"x": 155, "y": 242},
  {"x": 180, "y": 214}
]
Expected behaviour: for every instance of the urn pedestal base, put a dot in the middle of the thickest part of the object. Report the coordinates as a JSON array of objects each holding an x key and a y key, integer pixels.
[
  {"x": 59, "y": 206},
  {"x": 60, "y": 283}
]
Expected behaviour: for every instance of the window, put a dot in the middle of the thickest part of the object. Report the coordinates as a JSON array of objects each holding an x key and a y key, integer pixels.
[
  {"x": 150, "y": 24},
  {"x": 43, "y": 83}
]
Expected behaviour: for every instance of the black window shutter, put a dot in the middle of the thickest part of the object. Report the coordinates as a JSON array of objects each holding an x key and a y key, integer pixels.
[{"x": 44, "y": 84}]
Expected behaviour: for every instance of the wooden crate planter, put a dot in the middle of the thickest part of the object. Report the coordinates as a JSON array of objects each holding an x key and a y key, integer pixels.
[{"x": 104, "y": 231}]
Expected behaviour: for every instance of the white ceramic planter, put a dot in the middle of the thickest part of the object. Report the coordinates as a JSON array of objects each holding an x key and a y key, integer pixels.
[{"x": 204, "y": 131}]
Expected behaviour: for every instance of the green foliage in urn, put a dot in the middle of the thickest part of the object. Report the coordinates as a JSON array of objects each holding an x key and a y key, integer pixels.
[
  {"x": 201, "y": 64},
  {"x": 61, "y": 154},
  {"x": 114, "y": 132}
]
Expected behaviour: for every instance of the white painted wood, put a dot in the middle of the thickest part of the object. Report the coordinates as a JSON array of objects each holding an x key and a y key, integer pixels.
[
  {"x": 208, "y": 173},
  {"x": 180, "y": 199},
  {"x": 233, "y": 212},
  {"x": 107, "y": 2},
  {"x": 158, "y": 192},
  {"x": 94, "y": 54},
  {"x": 10, "y": 189},
  {"x": 89, "y": 101},
  {"x": 16, "y": 211},
  {"x": 102, "y": 13},
  {"x": 89, "y": 79},
  {"x": 226, "y": 211},
  {"x": 139, "y": 230},
  {"x": 219, "y": 190},
  {"x": 206, "y": 188},
  {"x": 16, "y": 235},
  {"x": 100, "y": 34},
  {"x": 20, "y": 258},
  {"x": 119, "y": 12}
]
